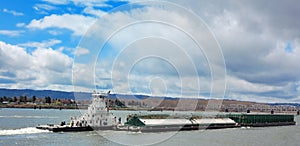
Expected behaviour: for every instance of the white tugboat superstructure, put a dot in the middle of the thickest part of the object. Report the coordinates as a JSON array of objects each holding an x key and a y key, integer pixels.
[{"x": 98, "y": 115}]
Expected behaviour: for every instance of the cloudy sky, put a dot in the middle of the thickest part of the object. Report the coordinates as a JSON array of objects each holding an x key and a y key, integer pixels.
[{"x": 237, "y": 49}]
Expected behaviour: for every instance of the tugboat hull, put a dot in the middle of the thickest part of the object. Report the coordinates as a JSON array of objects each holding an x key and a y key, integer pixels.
[
  {"x": 71, "y": 129},
  {"x": 58, "y": 128}
]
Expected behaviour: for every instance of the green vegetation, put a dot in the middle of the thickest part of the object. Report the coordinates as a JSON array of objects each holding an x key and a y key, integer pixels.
[
  {"x": 34, "y": 102},
  {"x": 48, "y": 102}
]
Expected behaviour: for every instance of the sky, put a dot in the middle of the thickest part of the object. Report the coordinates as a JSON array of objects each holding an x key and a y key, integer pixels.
[{"x": 235, "y": 49}]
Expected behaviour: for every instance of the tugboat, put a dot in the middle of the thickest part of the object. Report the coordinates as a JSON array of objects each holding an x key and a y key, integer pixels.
[{"x": 97, "y": 117}]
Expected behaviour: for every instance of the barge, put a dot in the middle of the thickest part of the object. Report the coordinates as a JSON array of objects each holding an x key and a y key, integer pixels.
[
  {"x": 146, "y": 124},
  {"x": 262, "y": 120}
]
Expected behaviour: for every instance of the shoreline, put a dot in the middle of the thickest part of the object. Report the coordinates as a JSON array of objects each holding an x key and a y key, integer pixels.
[
  {"x": 84, "y": 107},
  {"x": 32, "y": 106}
]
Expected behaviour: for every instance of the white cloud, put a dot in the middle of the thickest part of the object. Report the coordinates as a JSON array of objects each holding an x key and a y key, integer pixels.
[
  {"x": 81, "y": 51},
  {"x": 11, "y": 33},
  {"x": 44, "y": 44},
  {"x": 83, "y": 76},
  {"x": 20, "y": 24},
  {"x": 44, "y": 9},
  {"x": 95, "y": 12},
  {"x": 41, "y": 7},
  {"x": 253, "y": 40},
  {"x": 79, "y": 24},
  {"x": 254, "y": 51},
  {"x": 60, "y": 2},
  {"x": 95, "y": 3},
  {"x": 42, "y": 69},
  {"x": 15, "y": 13},
  {"x": 61, "y": 49},
  {"x": 240, "y": 85},
  {"x": 51, "y": 59},
  {"x": 256, "y": 60},
  {"x": 254, "y": 55},
  {"x": 14, "y": 57},
  {"x": 55, "y": 32},
  {"x": 141, "y": 51}
]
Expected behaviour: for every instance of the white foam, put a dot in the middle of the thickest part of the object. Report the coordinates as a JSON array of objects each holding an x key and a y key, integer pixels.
[{"x": 28, "y": 130}]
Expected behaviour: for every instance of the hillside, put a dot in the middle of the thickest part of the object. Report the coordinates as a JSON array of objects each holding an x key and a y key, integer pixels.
[{"x": 41, "y": 93}]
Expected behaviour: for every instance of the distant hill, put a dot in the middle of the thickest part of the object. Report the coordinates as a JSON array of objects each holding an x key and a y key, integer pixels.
[
  {"x": 41, "y": 93},
  {"x": 85, "y": 96},
  {"x": 66, "y": 95},
  {"x": 285, "y": 104},
  {"x": 60, "y": 94}
]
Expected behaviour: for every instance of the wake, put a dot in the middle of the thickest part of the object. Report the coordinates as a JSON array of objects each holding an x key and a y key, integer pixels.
[{"x": 28, "y": 130}]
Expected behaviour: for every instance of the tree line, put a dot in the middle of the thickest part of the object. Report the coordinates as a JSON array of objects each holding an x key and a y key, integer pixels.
[
  {"x": 48, "y": 100},
  {"x": 24, "y": 99}
]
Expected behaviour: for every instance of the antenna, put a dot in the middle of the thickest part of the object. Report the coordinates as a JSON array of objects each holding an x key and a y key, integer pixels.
[{"x": 108, "y": 101}]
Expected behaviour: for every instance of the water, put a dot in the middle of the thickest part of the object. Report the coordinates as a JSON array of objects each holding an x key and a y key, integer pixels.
[{"x": 17, "y": 128}]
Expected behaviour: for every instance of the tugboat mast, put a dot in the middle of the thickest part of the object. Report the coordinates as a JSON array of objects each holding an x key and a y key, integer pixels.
[{"x": 108, "y": 101}]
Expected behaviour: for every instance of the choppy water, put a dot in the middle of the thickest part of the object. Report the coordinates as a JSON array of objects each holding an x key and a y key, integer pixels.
[{"x": 17, "y": 128}]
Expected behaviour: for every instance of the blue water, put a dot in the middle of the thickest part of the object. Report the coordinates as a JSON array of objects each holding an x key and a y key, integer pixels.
[{"x": 17, "y": 128}]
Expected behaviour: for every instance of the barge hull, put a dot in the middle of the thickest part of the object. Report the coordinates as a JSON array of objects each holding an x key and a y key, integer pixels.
[
  {"x": 269, "y": 124},
  {"x": 165, "y": 128}
]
